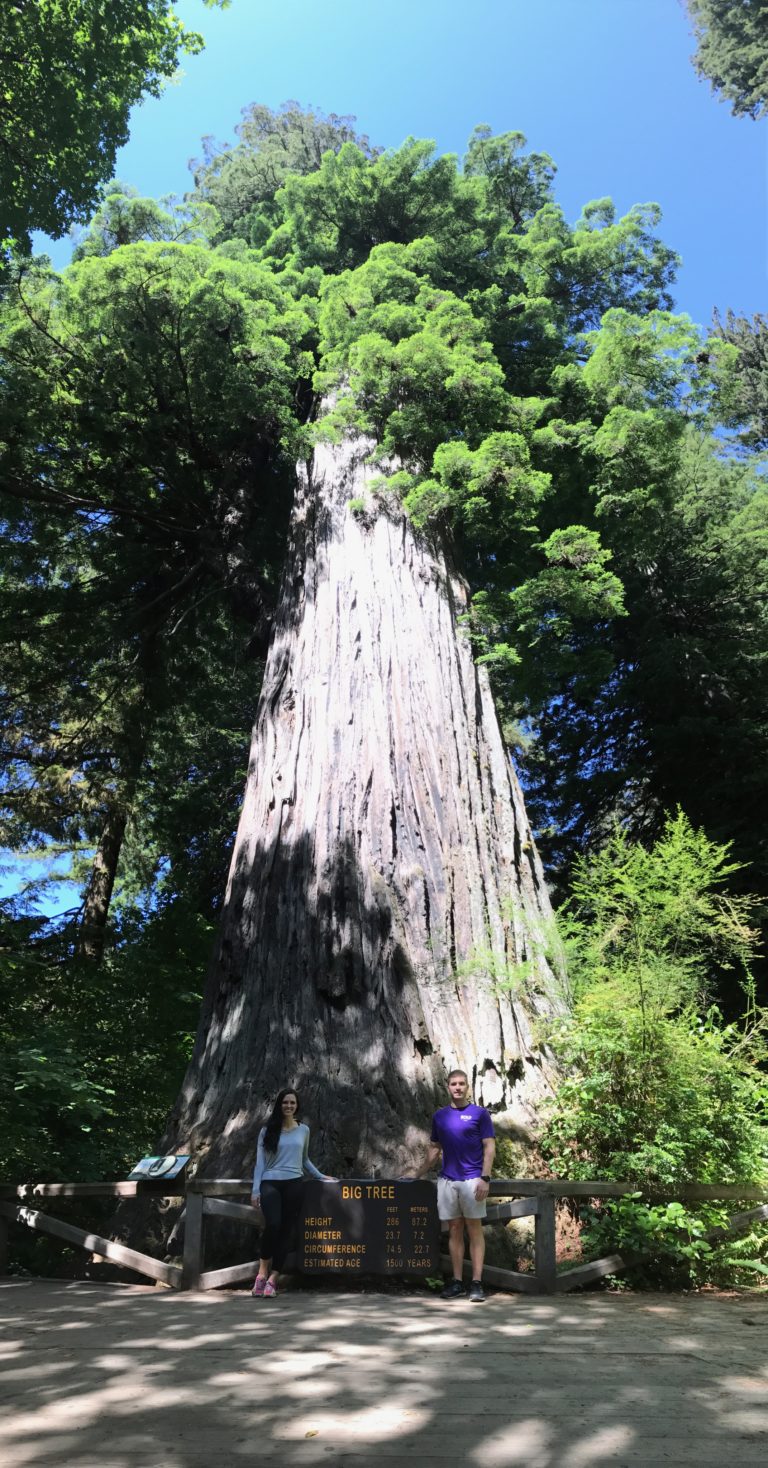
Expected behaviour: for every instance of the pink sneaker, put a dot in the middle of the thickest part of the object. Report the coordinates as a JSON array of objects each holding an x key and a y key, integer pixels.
[
  {"x": 270, "y": 1290},
  {"x": 259, "y": 1285}
]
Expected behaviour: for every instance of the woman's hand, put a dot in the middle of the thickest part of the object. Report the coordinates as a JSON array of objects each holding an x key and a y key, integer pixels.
[
  {"x": 256, "y": 1200},
  {"x": 328, "y": 1179}
]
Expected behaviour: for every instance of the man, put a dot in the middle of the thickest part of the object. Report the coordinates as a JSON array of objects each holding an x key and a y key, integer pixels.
[{"x": 463, "y": 1134}]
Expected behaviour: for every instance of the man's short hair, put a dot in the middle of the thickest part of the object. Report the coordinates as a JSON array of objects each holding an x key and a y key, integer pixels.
[{"x": 453, "y": 1073}]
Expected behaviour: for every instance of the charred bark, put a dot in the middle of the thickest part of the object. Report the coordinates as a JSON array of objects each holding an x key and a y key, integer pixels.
[{"x": 384, "y": 876}]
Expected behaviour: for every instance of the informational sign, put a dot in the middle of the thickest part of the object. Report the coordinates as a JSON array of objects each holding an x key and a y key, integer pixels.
[
  {"x": 361, "y": 1226},
  {"x": 155, "y": 1167}
]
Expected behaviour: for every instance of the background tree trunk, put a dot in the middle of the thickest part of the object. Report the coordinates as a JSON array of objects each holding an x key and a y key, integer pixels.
[
  {"x": 384, "y": 878},
  {"x": 118, "y": 803},
  {"x": 98, "y": 894}
]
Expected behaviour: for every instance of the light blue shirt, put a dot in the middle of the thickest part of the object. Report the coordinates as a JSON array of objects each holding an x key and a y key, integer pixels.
[{"x": 289, "y": 1161}]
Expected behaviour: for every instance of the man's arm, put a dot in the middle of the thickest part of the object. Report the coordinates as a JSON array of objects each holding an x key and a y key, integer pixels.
[
  {"x": 433, "y": 1152},
  {"x": 489, "y": 1152}
]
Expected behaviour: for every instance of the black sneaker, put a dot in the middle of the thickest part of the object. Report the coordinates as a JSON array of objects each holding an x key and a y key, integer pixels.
[
  {"x": 453, "y": 1290},
  {"x": 476, "y": 1291}
]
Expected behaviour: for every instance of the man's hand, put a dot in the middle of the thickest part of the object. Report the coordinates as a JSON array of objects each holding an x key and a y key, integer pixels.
[{"x": 481, "y": 1190}]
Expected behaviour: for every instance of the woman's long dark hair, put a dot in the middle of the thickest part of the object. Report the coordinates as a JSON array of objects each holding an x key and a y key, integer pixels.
[{"x": 275, "y": 1124}]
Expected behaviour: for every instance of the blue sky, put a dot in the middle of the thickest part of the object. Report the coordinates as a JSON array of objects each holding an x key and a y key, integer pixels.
[{"x": 605, "y": 86}]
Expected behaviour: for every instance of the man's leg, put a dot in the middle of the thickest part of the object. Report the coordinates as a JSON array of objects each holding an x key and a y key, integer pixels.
[
  {"x": 476, "y": 1246},
  {"x": 455, "y": 1287},
  {"x": 449, "y": 1211},
  {"x": 456, "y": 1246}
]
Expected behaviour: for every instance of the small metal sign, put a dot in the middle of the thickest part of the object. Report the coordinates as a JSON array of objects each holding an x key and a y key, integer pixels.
[
  {"x": 369, "y": 1226},
  {"x": 159, "y": 1167}
]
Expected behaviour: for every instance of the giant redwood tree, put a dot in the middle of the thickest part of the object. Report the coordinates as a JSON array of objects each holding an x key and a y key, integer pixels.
[
  {"x": 386, "y": 915},
  {"x": 384, "y": 892}
]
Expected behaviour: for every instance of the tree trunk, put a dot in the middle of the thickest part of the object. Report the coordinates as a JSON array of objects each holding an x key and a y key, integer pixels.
[
  {"x": 384, "y": 884},
  {"x": 119, "y": 801},
  {"x": 98, "y": 893}
]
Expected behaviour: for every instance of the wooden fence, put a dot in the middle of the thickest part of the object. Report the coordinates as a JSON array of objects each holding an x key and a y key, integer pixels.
[{"x": 212, "y": 1198}]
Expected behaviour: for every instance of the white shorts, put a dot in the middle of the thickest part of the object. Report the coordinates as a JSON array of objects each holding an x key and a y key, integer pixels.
[{"x": 457, "y": 1199}]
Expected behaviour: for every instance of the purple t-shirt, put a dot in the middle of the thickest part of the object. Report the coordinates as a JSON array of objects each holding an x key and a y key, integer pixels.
[{"x": 460, "y": 1132}]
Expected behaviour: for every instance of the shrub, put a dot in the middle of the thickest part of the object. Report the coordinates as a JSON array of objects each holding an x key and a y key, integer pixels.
[{"x": 658, "y": 1089}]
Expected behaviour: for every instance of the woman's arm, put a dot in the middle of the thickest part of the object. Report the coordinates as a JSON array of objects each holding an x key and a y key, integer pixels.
[
  {"x": 309, "y": 1167},
  {"x": 433, "y": 1152},
  {"x": 258, "y": 1170}
]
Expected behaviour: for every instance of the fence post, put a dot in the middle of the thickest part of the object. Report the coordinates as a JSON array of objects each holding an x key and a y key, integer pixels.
[
  {"x": 194, "y": 1242},
  {"x": 544, "y": 1245}
]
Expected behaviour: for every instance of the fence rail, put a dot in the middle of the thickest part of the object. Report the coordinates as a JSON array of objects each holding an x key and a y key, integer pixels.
[
  {"x": 212, "y": 1198},
  {"x": 145, "y": 1187}
]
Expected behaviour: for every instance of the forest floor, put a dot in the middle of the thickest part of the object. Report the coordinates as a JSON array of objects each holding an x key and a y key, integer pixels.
[{"x": 126, "y": 1376}]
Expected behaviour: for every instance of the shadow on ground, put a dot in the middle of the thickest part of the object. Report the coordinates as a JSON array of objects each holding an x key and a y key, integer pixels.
[{"x": 106, "y": 1376}]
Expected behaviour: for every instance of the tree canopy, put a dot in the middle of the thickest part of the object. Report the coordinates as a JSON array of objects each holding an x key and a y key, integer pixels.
[
  {"x": 732, "y": 51},
  {"x": 70, "y": 71}
]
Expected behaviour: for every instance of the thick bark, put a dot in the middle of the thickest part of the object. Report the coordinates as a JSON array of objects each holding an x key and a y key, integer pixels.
[{"x": 383, "y": 852}]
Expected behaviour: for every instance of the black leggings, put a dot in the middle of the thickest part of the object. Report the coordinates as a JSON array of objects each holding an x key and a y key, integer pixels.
[{"x": 281, "y": 1206}]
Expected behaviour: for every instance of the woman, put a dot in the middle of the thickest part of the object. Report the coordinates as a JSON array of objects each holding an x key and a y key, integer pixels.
[{"x": 281, "y": 1164}]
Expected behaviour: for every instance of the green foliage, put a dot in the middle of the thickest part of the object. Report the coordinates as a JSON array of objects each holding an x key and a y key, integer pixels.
[
  {"x": 70, "y": 71},
  {"x": 650, "y": 926},
  {"x": 241, "y": 183},
  {"x": 575, "y": 588},
  {"x": 649, "y": 362},
  {"x": 136, "y": 546},
  {"x": 658, "y": 1089},
  {"x": 516, "y": 184},
  {"x": 489, "y": 490},
  {"x": 732, "y": 51},
  {"x": 668, "y": 703},
  {"x": 412, "y": 359},
  {"x": 90, "y": 1057},
  {"x": 124, "y": 218},
  {"x": 654, "y": 1101},
  {"x": 744, "y": 381},
  {"x": 675, "y": 1234},
  {"x": 90, "y": 1060}
]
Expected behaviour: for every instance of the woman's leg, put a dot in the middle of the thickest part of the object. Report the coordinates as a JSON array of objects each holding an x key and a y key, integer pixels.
[
  {"x": 272, "y": 1208},
  {"x": 292, "y": 1191}
]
